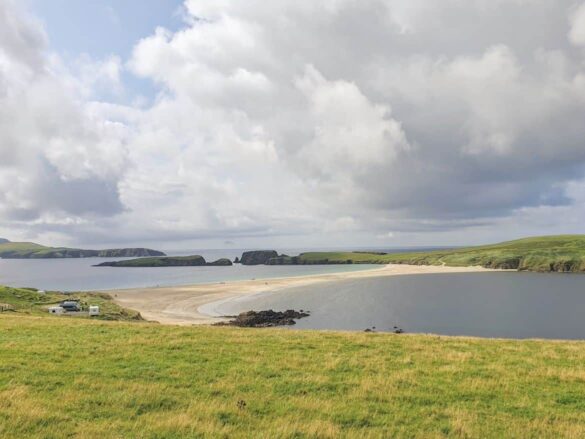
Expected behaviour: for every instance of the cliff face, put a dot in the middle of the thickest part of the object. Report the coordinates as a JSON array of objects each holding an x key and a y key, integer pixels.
[
  {"x": 258, "y": 257},
  {"x": 129, "y": 253},
  {"x": 78, "y": 253}
]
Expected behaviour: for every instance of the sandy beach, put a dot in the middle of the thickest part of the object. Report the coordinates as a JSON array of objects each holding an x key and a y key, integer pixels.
[{"x": 196, "y": 304}]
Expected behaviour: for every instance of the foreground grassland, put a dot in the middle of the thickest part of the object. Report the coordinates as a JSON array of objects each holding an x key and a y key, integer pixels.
[
  {"x": 563, "y": 253},
  {"x": 79, "y": 378}
]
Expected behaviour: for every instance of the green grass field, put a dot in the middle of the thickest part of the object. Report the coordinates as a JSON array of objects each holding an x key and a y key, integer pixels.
[
  {"x": 62, "y": 378},
  {"x": 563, "y": 253}
]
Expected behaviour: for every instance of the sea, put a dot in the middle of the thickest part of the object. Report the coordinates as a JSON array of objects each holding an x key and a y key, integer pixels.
[
  {"x": 494, "y": 304},
  {"x": 484, "y": 304},
  {"x": 80, "y": 274}
]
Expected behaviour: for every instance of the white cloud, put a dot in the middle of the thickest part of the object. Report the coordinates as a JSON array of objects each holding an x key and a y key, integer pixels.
[
  {"x": 98, "y": 76},
  {"x": 577, "y": 30},
  {"x": 337, "y": 118},
  {"x": 350, "y": 131}
]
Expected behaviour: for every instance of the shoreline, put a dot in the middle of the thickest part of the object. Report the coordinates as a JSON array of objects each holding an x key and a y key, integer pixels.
[{"x": 197, "y": 304}]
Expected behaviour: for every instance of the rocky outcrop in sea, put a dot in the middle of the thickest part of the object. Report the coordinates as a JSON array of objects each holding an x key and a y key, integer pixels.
[{"x": 257, "y": 257}]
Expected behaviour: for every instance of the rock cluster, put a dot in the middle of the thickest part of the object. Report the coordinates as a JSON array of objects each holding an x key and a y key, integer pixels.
[
  {"x": 395, "y": 330},
  {"x": 257, "y": 257},
  {"x": 265, "y": 319}
]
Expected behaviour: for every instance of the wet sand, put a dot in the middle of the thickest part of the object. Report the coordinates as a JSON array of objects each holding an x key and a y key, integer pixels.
[{"x": 197, "y": 304}]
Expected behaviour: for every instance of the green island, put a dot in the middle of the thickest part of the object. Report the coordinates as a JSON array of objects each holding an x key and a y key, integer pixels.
[
  {"x": 75, "y": 377},
  {"x": 31, "y": 250},
  {"x": 562, "y": 253},
  {"x": 167, "y": 261}
]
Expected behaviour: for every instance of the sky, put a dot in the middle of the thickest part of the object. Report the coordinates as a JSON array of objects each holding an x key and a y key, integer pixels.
[{"x": 288, "y": 124}]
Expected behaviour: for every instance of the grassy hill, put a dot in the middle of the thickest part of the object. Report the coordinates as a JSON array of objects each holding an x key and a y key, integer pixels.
[
  {"x": 79, "y": 378},
  {"x": 563, "y": 253},
  {"x": 23, "y": 248},
  {"x": 28, "y": 301},
  {"x": 30, "y": 250}
]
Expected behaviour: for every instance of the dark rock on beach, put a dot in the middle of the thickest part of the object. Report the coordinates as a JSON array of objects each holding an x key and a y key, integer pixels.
[{"x": 265, "y": 319}]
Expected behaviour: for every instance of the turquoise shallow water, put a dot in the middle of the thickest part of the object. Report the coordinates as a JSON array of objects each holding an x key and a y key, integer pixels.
[{"x": 506, "y": 305}]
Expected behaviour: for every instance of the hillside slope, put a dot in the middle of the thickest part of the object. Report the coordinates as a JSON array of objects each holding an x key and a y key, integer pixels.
[
  {"x": 562, "y": 253},
  {"x": 28, "y": 301},
  {"x": 31, "y": 250}
]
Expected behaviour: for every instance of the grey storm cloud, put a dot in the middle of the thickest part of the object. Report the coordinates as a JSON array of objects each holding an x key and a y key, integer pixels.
[
  {"x": 332, "y": 118},
  {"x": 87, "y": 196}
]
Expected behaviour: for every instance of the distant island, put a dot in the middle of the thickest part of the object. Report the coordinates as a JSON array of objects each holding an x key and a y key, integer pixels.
[
  {"x": 562, "y": 253},
  {"x": 30, "y": 250},
  {"x": 168, "y": 261}
]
